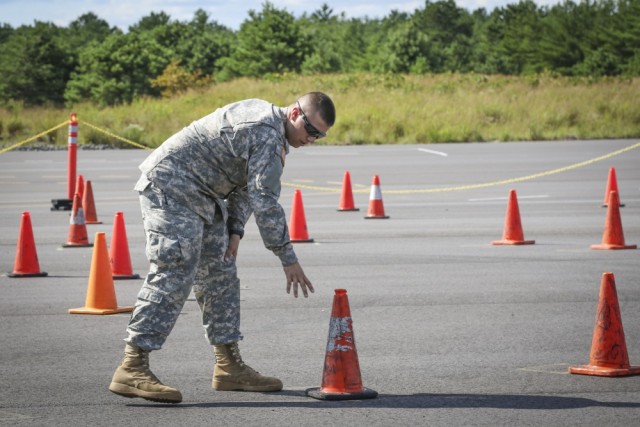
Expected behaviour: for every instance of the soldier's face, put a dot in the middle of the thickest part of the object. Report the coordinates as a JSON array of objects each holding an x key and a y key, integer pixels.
[{"x": 305, "y": 128}]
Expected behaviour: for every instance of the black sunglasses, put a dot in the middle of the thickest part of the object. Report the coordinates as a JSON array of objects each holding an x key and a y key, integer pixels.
[{"x": 311, "y": 129}]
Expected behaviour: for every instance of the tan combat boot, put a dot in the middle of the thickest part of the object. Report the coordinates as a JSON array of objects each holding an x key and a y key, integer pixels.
[
  {"x": 133, "y": 378},
  {"x": 231, "y": 373}
]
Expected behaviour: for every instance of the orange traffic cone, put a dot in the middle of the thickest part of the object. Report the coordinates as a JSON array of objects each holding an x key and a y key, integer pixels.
[
  {"x": 119, "y": 250},
  {"x": 512, "y": 233},
  {"x": 609, "y": 357},
  {"x": 612, "y": 185},
  {"x": 376, "y": 207},
  {"x": 613, "y": 236},
  {"x": 77, "y": 236},
  {"x": 341, "y": 377},
  {"x": 26, "y": 262},
  {"x": 90, "y": 217},
  {"x": 298, "y": 224},
  {"x": 80, "y": 186},
  {"x": 346, "y": 197},
  {"x": 101, "y": 295}
]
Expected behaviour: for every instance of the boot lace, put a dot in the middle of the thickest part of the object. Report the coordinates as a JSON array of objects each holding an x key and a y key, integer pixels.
[
  {"x": 144, "y": 374},
  {"x": 235, "y": 353}
]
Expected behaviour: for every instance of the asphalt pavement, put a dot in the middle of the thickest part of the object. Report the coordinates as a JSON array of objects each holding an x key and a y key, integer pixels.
[{"x": 450, "y": 330}]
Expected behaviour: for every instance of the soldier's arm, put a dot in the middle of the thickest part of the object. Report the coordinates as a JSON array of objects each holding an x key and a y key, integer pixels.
[
  {"x": 239, "y": 211},
  {"x": 265, "y": 166}
]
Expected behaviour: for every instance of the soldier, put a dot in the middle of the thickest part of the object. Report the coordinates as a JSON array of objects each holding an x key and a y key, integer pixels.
[{"x": 197, "y": 191}]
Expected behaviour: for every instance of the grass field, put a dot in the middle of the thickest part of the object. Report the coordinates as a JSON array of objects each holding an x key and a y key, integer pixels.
[{"x": 372, "y": 109}]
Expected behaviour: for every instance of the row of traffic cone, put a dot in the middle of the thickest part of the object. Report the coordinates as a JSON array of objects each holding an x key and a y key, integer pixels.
[
  {"x": 341, "y": 379},
  {"x": 106, "y": 265},
  {"x": 83, "y": 212},
  {"x": 85, "y": 193},
  {"x": 26, "y": 261},
  {"x": 612, "y": 238},
  {"x": 298, "y": 232},
  {"x": 513, "y": 234},
  {"x": 376, "y": 206}
]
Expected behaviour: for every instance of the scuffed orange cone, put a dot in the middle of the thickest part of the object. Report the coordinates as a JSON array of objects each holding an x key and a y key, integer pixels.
[
  {"x": 90, "y": 215},
  {"x": 119, "y": 250},
  {"x": 77, "y": 237},
  {"x": 26, "y": 262},
  {"x": 609, "y": 357},
  {"x": 298, "y": 224},
  {"x": 512, "y": 233},
  {"x": 613, "y": 236},
  {"x": 101, "y": 295},
  {"x": 612, "y": 185},
  {"x": 341, "y": 379},
  {"x": 376, "y": 206},
  {"x": 346, "y": 197}
]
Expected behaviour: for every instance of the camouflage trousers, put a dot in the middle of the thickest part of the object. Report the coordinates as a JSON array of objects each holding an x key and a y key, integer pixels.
[{"x": 184, "y": 253}]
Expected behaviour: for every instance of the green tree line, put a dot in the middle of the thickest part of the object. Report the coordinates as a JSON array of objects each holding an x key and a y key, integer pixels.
[{"x": 44, "y": 64}]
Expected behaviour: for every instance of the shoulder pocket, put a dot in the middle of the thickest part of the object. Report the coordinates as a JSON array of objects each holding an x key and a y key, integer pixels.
[{"x": 269, "y": 180}]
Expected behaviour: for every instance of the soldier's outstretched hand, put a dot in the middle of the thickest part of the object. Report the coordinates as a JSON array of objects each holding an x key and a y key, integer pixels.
[{"x": 296, "y": 277}]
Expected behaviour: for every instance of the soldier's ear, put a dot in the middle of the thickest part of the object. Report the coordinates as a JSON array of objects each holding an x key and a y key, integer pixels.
[{"x": 294, "y": 113}]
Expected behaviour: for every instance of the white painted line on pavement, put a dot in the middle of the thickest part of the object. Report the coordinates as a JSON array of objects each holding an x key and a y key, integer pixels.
[{"x": 439, "y": 153}]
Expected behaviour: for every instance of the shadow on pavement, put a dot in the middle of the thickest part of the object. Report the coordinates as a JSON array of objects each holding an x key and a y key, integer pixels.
[{"x": 422, "y": 400}]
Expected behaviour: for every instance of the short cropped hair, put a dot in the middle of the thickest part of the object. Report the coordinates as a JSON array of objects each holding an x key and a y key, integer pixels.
[{"x": 321, "y": 103}]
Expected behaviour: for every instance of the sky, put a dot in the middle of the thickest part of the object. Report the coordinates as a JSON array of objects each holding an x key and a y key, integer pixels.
[{"x": 230, "y": 13}]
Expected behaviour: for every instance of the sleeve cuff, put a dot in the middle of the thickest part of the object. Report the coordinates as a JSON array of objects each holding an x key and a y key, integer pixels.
[
  {"x": 287, "y": 255},
  {"x": 236, "y": 231}
]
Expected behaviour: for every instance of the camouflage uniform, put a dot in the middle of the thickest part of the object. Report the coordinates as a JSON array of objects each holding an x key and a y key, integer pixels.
[{"x": 197, "y": 187}]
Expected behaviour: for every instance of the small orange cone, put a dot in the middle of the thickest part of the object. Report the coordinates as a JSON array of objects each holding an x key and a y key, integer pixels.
[
  {"x": 80, "y": 186},
  {"x": 346, "y": 197},
  {"x": 613, "y": 236},
  {"x": 341, "y": 378},
  {"x": 77, "y": 236},
  {"x": 609, "y": 357},
  {"x": 376, "y": 207},
  {"x": 90, "y": 215},
  {"x": 119, "y": 250},
  {"x": 512, "y": 233},
  {"x": 298, "y": 224},
  {"x": 612, "y": 185},
  {"x": 26, "y": 262},
  {"x": 101, "y": 295}
]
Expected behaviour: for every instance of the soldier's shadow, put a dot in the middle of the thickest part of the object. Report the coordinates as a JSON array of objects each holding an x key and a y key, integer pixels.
[{"x": 419, "y": 401}]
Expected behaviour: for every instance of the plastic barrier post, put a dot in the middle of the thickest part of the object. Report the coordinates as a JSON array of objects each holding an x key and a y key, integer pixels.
[{"x": 66, "y": 204}]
